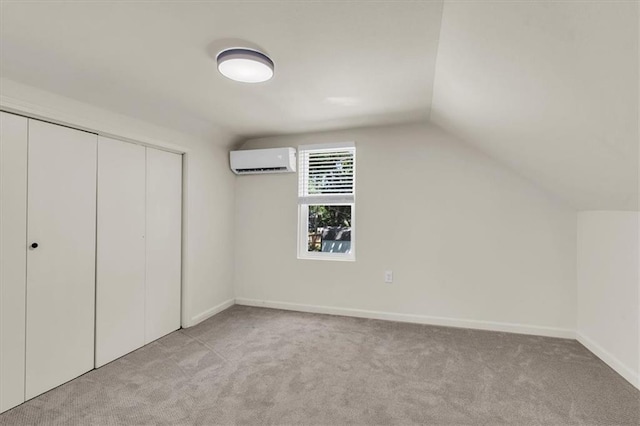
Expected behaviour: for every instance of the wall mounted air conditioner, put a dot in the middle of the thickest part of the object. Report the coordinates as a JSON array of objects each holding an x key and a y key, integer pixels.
[{"x": 255, "y": 161}]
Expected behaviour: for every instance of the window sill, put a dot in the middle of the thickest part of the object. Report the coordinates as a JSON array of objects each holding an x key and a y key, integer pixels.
[{"x": 328, "y": 257}]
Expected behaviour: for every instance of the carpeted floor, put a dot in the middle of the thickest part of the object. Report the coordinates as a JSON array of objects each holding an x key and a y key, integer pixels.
[{"x": 262, "y": 366}]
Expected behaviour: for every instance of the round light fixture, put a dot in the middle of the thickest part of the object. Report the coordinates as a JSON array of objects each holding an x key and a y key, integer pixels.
[{"x": 245, "y": 65}]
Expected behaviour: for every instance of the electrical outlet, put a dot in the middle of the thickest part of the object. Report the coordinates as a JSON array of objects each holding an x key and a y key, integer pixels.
[{"x": 388, "y": 277}]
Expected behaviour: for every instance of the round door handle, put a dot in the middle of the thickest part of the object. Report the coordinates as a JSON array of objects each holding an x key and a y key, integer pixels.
[{"x": 34, "y": 245}]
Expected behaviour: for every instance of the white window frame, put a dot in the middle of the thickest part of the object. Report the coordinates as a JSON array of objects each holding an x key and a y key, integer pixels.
[{"x": 305, "y": 202}]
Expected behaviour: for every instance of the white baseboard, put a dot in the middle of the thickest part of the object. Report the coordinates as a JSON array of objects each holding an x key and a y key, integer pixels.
[
  {"x": 210, "y": 312},
  {"x": 418, "y": 319},
  {"x": 613, "y": 362}
]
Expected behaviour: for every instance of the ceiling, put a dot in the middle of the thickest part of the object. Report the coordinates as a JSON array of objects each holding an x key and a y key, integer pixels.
[
  {"x": 549, "y": 88},
  {"x": 338, "y": 64}
]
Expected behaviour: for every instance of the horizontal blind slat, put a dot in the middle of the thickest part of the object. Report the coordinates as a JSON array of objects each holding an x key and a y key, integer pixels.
[
  {"x": 331, "y": 159},
  {"x": 345, "y": 189}
]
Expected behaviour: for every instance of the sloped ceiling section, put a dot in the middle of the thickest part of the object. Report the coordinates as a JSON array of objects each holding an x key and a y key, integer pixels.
[{"x": 551, "y": 88}]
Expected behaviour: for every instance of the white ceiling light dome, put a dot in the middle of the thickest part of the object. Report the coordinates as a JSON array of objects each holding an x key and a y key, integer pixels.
[{"x": 245, "y": 65}]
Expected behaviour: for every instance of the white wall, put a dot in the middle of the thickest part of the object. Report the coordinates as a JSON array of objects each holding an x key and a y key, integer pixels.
[
  {"x": 470, "y": 242},
  {"x": 208, "y": 252},
  {"x": 608, "y": 311}
]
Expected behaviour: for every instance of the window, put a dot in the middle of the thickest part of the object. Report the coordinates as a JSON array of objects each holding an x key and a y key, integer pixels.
[{"x": 326, "y": 201}]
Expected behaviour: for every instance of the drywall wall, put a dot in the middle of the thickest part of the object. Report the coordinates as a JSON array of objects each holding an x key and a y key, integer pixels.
[
  {"x": 470, "y": 242},
  {"x": 608, "y": 311},
  {"x": 638, "y": 207},
  {"x": 209, "y": 192}
]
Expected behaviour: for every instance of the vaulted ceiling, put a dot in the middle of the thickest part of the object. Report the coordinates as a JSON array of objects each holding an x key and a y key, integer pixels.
[{"x": 549, "y": 88}]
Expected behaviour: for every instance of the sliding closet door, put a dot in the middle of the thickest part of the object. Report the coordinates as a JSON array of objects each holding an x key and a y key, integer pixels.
[
  {"x": 120, "y": 269},
  {"x": 164, "y": 210},
  {"x": 61, "y": 258},
  {"x": 13, "y": 257}
]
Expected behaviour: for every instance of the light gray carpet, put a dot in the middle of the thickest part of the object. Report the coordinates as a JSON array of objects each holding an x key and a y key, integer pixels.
[{"x": 262, "y": 366}]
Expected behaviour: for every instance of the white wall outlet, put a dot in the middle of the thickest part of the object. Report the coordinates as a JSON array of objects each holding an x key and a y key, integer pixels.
[{"x": 388, "y": 277}]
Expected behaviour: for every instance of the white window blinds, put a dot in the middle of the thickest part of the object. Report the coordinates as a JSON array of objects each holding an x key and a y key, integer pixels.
[{"x": 326, "y": 174}]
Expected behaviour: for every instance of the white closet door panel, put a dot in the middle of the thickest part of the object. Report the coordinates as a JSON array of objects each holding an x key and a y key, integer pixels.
[
  {"x": 120, "y": 269},
  {"x": 164, "y": 212},
  {"x": 13, "y": 257},
  {"x": 61, "y": 271}
]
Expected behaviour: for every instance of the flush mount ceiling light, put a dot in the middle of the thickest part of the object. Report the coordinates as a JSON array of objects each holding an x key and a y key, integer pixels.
[{"x": 245, "y": 65}]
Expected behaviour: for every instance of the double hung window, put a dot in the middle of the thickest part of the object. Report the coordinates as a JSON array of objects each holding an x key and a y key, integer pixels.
[{"x": 326, "y": 201}]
